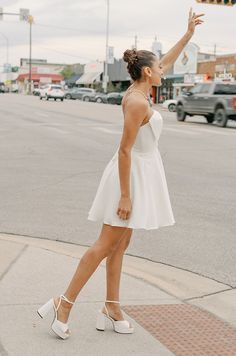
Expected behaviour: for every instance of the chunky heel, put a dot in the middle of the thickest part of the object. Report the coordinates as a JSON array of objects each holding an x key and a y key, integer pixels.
[
  {"x": 119, "y": 326},
  {"x": 44, "y": 309},
  {"x": 100, "y": 324},
  {"x": 58, "y": 327}
]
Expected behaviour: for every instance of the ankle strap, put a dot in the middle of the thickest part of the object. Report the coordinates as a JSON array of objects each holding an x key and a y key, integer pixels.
[
  {"x": 112, "y": 301},
  {"x": 66, "y": 299}
]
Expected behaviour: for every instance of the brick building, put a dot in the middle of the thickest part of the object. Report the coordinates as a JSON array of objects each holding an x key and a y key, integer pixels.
[{"x": 218, "y": 65}]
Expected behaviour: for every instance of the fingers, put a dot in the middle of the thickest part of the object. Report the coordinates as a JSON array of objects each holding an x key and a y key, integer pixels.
[
  {"x": 123, "y": 214},
  {"x": 196, "y": 16},
  {"x": 190, "y": 13}
]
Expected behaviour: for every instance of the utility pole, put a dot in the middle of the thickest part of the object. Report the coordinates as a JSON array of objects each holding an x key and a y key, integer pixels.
[
  {"x": 105, "y": 78},
  {"x": 7, "y": 47},
  {"x": 215, "y": 50},
  {"x": 136, "y": 42},
  {"x": 24, "y": 16},
  {"x": 30, "y": 20}
]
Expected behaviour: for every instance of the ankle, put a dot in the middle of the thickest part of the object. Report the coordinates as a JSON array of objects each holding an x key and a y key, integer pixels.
[
  {"x": 66, "y": 305},
  {"x": 113, "y": 306}
]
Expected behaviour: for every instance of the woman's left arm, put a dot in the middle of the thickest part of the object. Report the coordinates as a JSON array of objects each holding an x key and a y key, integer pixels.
[{"x": 170, "y": 57}]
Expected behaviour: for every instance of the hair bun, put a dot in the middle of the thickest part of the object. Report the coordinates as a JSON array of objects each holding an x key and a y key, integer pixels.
[{"x": 130, "y": 56}]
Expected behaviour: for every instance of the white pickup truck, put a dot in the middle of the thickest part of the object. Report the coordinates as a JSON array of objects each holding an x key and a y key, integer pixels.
[{"x": 214, "y": 100}]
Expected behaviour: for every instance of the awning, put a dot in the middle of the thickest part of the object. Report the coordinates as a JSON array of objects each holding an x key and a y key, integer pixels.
[
  {"x": 38, "y": 76},
  {"x": 88, "y": 78}
]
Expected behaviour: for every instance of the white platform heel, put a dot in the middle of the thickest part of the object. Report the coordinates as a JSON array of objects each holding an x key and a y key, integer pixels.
[
  {"x": 120, "y": 326},
  {"x": 61, "y": 329}
]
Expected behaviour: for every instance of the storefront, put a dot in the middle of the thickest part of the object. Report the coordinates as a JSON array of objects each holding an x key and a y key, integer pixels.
[
  {"x": 37, "y": 80},
  {"x": 92, "y": 76}
]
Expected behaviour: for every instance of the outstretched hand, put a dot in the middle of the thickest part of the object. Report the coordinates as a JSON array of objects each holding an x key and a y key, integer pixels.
[{"x": 193, "y": 21}]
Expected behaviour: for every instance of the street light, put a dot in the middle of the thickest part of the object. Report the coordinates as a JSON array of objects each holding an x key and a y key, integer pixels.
[
  {"x": 30, "y": 20},
  {"x": 105, "y": 78},
  {"x": 24, "y": 16}
]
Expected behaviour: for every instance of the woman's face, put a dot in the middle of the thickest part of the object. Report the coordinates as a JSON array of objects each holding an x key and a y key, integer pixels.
[{"x": 156, "y": 73}]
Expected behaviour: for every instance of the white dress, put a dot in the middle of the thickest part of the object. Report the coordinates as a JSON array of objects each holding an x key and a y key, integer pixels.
[{"x": 151, "y": 206}]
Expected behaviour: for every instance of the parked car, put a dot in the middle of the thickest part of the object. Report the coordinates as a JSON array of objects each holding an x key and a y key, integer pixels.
[
  {"x": 15, "y": 88},
  {"x": 52, "y": 91},
  {"x": 170, "y": 104},
  {"x": 2, "y": 88},
  {"x": 115, "y": 98},
  {"x": 214, "y": 100},
  {"x": 36, "y": 91},
  {"x": 77, "y": 93},
  {"x": 95, "y": 97}
]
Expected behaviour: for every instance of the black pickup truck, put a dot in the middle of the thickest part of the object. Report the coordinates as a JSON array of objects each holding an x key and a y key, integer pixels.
[{"x": 214, "y": 100}]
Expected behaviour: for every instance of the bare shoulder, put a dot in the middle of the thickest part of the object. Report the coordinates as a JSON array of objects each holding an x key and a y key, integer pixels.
[{"x": 135, "y": 108}]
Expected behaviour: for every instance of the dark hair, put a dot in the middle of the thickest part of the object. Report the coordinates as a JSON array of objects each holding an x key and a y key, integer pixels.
[{"x": 136, "y": 60}]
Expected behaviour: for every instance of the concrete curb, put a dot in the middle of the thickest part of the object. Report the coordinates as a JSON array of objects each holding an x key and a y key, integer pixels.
[{"x": 215, "y": 297}]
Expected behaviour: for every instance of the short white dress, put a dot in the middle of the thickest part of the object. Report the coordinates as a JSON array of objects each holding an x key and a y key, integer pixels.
[{"x": 151, "y": 206}]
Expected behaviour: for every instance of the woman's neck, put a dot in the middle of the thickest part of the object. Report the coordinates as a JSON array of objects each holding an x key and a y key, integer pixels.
[{"x": 143, "y": 86}]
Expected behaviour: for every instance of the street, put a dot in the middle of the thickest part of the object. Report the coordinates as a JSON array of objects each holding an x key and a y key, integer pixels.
[{"x": 52, "y": 155}]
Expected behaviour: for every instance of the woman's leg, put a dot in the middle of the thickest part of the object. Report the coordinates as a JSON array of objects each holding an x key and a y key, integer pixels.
[
  {"x": 113, "y": 274},
  {"x": 106, "y": 243}
]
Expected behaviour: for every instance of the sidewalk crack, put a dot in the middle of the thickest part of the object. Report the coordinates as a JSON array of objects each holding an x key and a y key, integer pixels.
[
  {"x": 12, "y": 263},
  {"x": 209, "y": 294}
]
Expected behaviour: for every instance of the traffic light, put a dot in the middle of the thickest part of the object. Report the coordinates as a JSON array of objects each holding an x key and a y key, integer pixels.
[{"x": 218, "y": 2}]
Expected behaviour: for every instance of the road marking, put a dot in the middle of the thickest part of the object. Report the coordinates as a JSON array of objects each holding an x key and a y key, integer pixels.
[
  {"x": 39, "y": 113},
  {"x": 216, "y": 132},
  {"x": 181, "y": 131},
  {"x": 106, "y": 130},
  {"x": 197, "y": 130}
]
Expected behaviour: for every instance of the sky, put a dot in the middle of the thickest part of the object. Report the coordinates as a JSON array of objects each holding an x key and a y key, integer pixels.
[{"x": 75, "y": 31}]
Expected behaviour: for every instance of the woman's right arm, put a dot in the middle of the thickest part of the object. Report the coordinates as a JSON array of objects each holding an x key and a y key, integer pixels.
[{"x": 136, "y": 111}]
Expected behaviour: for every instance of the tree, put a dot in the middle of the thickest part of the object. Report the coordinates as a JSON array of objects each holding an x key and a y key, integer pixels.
[{"x": 67, "y": 72}]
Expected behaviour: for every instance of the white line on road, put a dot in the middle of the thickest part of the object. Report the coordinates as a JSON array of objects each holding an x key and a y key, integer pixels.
[
  {"x": 181, "y": 131},
  {"x": 106, "y": 130},
  {"x": 39, "y": 113},
  {"x": 197, "y": 130}
]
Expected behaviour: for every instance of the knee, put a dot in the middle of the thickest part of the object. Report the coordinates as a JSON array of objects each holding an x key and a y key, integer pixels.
[
  {"x": 106, "y": 249},
  {"x": 125, "y": 243}
]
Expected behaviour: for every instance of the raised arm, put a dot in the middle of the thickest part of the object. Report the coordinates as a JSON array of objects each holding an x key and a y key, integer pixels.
[{"x": 170, "y": 57}]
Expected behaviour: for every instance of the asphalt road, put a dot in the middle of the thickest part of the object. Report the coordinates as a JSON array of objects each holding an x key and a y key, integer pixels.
[{"x": 52, "y": 155}]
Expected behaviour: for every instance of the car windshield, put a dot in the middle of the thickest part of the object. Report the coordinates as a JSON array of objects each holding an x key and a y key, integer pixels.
[
  {"x": 56, "y": 87},
  {"x": 226, "y": 89}
]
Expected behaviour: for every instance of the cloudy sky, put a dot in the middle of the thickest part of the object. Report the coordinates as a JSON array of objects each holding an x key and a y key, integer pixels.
[{"x": 74, "y": 31}]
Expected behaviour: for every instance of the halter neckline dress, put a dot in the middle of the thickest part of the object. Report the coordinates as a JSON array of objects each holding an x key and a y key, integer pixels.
[{"x": 151, "y": 206}]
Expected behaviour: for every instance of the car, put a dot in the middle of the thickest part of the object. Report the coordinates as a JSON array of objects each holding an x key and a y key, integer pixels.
[
  {"x": 95, "y": 97},
  {"x": 115, "y": 97},
  {"x": 52, "y": 91},
  {"x": 170, "y": 104},
  {"x": 36, "y": 91},
  {"x": 77, "y": 93},
  {"x": 2, "y": 88},
  {"x": 216, "y": 101}
]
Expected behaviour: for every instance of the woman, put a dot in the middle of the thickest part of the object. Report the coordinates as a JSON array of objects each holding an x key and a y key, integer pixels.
[{"x": 132, "y": 192}]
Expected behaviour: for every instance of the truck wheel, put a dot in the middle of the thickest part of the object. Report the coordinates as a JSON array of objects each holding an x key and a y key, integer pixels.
[
  {"x": 220, "y": 117},
  {"x": 172, "y": 107},
  {"x": 181, "y": 114},
  {"x": 209, "y": 118}
]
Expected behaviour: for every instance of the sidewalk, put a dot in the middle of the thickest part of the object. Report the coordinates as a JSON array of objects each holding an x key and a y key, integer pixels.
[{"x": 174, "y": 312}]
